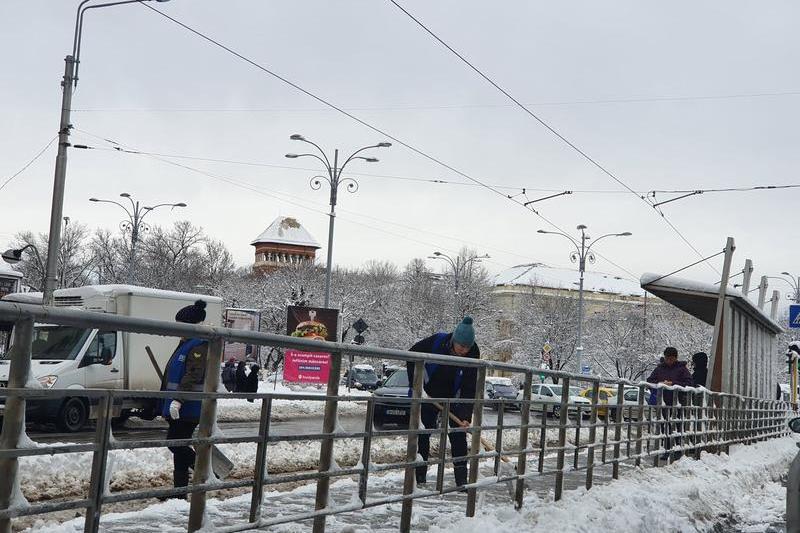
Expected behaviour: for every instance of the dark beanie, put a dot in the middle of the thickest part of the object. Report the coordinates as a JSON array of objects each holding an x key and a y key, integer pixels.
[
  {"x": 192, "y": 314},
  {"x": 464, "y": 334}
]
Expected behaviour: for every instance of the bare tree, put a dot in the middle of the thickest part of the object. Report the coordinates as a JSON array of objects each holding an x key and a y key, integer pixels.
[{"x": 74, "y": 264}]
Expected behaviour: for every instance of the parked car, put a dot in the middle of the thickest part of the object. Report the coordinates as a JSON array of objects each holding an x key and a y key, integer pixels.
[
  {"x": 546, "y": 397},
  {"x": 605, "y": 396},
  {"x": 363, "y": 377},
  {"x": 392, "y": 414},
  {"x": 501, "y": 389}
]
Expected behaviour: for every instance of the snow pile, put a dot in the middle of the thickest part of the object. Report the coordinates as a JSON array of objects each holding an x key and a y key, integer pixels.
[
  {"x": 236, "y": 410},
  {"x": 741, "y": 490}
]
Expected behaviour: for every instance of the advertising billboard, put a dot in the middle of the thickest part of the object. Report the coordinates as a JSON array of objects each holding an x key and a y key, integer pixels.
[
  {"x": 310, "y": 323},
  {"x": 247, "y": 319}
]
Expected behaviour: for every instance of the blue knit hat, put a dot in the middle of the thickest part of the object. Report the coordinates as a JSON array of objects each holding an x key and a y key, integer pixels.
[{"x": 464, "y": 334}]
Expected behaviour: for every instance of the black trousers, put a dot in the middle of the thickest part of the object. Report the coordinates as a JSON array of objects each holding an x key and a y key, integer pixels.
[
  {"x": 458, "y": 445},
  {"x": 182, "y": 456}
]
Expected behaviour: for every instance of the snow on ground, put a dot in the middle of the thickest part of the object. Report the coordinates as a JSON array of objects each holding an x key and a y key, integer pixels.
[
  {"x": 236, "y": 410},
  {"x": 741, "y": 491}
]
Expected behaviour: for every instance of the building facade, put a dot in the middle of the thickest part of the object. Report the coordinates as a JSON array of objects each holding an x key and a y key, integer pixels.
[{"x": 284, "y": 243}]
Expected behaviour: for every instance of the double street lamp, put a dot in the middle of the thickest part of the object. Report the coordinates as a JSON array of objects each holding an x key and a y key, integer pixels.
[
  {"x": 794, "y": 282},
  {"x": 135, "y": 224},
  {"x": 334, "y": 179},
  {"x": 68, "y": 84},
  {"x": 459, "y": 266},
  {"x": 582, "y": 253}
]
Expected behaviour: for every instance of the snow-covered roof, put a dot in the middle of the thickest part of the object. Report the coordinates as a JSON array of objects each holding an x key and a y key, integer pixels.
[
  {"x": 541, "y": 275},
  {"x": 111, "y": 290},
  {"x": 286, "y": 230},
  {"x": 8, "y": 271},
  {"x": 699, "y": 298}
]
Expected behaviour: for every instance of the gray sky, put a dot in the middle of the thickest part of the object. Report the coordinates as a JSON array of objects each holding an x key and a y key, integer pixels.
[{"x": 155, "y": 87}]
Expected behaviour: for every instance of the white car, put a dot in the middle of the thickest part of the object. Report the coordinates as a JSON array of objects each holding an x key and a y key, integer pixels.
[{"x": 546, "y": 397}]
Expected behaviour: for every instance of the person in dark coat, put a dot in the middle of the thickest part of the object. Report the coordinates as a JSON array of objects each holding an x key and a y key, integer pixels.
[
  {"x": 251, "y": 381},
  {"x": 671, "y": 372},
  {"x": 447, "y": 381},
  {"x": 185, "y": 371},
  {"x": 700, "y": 369},
  {"x": 241, "y": 377},
  {"x": 229, "y": 375}
]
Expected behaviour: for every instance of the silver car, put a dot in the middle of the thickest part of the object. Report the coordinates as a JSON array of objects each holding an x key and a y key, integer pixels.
[{"x": 546, "y": 397}]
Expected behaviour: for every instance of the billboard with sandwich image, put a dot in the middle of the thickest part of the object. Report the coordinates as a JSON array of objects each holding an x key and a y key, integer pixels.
[{"x": 309, "y": 323}]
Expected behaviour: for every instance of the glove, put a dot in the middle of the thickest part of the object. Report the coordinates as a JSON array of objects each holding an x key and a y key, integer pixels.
[{"x": 175, "y": 409}]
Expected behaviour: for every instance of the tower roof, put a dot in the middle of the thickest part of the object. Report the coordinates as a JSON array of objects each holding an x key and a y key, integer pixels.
[{"x": 286, "y": 230}]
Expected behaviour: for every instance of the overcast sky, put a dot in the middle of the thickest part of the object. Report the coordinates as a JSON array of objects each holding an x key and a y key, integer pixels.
[{"x": 703, "y": 89}]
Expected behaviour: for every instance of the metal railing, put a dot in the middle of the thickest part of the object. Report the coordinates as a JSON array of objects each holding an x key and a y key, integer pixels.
[{"x": 680, "y": 421}]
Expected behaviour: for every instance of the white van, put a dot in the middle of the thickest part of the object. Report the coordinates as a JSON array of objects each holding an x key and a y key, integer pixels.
[{"x": 69, "y": 357}]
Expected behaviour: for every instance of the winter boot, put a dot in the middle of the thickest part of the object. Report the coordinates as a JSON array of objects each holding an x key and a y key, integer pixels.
[
  {"x": 422, "y": 475},
  {"x": 460, "y": 472}
]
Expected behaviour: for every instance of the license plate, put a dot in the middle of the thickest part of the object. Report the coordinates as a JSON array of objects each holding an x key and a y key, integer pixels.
[{"x": 396, "y": 412}]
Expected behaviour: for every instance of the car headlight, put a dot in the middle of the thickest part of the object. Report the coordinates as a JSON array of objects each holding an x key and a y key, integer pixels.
[{"x": 47, "y": 382}]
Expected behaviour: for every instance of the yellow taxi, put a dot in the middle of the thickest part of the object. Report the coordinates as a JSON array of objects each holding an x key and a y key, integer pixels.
[{"x": 605, "y": 396}]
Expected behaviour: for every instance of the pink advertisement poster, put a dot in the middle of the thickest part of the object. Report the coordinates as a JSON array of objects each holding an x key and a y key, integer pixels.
[{"x": 306, "y": 367}]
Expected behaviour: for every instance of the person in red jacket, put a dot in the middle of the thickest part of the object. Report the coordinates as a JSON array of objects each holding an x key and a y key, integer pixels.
[{"x": 671, "y": 372}]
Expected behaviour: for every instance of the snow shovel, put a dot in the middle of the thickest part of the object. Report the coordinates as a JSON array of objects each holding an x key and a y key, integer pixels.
[
  {"x": 220, "y": 463},
  {"x": 505, "y": 465}
]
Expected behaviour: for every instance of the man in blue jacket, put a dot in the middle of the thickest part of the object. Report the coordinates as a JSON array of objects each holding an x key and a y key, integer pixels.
[
  {"x": 448, "y": 381},
  {"x": 185, "y": 371}
]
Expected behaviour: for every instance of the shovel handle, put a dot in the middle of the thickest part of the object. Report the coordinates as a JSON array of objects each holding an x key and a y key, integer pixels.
[{"x": 486, "y": 444}]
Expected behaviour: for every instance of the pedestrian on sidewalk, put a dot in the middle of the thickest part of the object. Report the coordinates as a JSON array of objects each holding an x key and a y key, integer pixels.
[
  {"x": 241, "y": 377},
  {"x": 185, "y": 371},
  {"x": 447, "y": 381},
  {"x": 671, "y": 372},
  {"x": 251, "y": 381},
  {"x": 229, "y": 375}
]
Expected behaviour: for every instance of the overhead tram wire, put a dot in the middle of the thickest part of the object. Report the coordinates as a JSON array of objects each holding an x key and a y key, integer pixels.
[
  {"x": 29, "y": 163},
  {"x": 279, "y": 196},
  {"x": 547, "y": 126},
  {"x": 363, "y": 122}
]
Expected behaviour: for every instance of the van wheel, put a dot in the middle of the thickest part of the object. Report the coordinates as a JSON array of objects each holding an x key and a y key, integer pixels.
[{"x": 72, "y": 416}]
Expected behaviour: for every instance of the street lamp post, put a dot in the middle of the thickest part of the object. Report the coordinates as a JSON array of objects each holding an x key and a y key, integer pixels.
[
  {"x": 794, "y": 282},
  {"x": 68, "y": 84},
  {"x": 334, "y": 179},
  {"x": 135, "y": 225},
  {"x": 582, "y": 253},
  {"x": 458, "y": 267}
]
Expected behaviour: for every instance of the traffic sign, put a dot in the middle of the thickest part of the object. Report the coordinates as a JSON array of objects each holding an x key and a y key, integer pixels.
[
  {"x": 547, "y": 348},
  {"x": 586, "y": 369},
  {"x": 360, "y": 325},
  {"x": 794, "y": 316}
]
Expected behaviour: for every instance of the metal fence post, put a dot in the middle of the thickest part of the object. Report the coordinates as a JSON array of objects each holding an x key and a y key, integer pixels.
[
  {"x": 617, "y": 430},
  {"x": 578, "y": 419},
  {"x": 659, "y": 425},
  {"x": 14, "y": 415},
  {"x": 640, "y": 423},
  {"x": 411, "y": 445},
  {"x": 363, "y": 479},
  {"x": 326, "y": 446},
  {"x": 260, "y": 468},
  {"x": 475, "y": 447},
  {"x": 562, "y": 437},
  {"x": 542, "y": 438},
  {"x": 525, "y": 418},
  {"x": 793, "y": 496},
  {"x": 99, "y": 465},
  {"x": 208, "y": 420},
  {"x": 592, "y": 435},
  {"x": 445, "y": 424},
  {"x": 498, "y": 440}
]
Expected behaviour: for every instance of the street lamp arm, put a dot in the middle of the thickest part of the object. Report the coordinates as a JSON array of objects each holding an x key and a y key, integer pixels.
[
  {"x": 792, "y": 284},
  {"x": 573, "y": 241},
  {"x": 323, "y": 161},
  {"x": 353, "y": 155},
  {"x": 324, "y": 158},
  {"x": 127, "y": 211},
  {"x": 440, "y": 255},
  {"x": 603, "y": 237}
]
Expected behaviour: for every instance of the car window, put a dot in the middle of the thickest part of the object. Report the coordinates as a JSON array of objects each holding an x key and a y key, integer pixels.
[
  {"x": 397, "y": 379},
  {"x": 103, "y": 341},
  {"x": 632, "y": 395},
  {"x": 535, "y": 389},
  {"x": 546, "y": 391}
]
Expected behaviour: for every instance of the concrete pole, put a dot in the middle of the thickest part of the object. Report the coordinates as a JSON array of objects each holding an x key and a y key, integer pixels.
[
  {"x": 748, "y": 273},
  {"x": 762, "y": 292},
  {"x": 773, "y": 310},
  {"x": 334, "y": 190},
  {"x": 57, "y": 209},
  {"x": 714, "y": 378}
]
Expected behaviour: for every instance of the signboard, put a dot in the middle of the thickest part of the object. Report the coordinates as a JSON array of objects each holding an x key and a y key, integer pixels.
[
  {"x": 309, "y": 323},
  {"x": 794, "y": 316},
  {"x": 8, "y": 285},
  {"x": 246, "y": 319},
  {"x": 586, "y": 369}
]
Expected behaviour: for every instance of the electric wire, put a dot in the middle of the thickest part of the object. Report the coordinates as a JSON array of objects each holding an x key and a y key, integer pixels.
[
  {"x": 547, "y": 126},
  {"x": 361, "y": 121},
  {"x": 29, "y": 163}
]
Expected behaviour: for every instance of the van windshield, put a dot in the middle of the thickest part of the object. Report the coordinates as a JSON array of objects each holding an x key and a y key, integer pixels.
[{"x": 57, "y": 343}]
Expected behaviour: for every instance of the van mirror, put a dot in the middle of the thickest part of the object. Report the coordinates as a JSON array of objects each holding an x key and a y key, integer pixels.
[{"x": 794, "y": 424}]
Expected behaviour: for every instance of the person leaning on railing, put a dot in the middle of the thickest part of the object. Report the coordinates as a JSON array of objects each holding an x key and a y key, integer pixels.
[
  {"x": 185, "y": 371},
  {"x": 447, "y": 381},
  {"x": 670, "y": 372}
]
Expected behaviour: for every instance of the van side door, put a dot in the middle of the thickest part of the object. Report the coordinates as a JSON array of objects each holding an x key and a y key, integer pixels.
[{"x": 102, "y": 362}]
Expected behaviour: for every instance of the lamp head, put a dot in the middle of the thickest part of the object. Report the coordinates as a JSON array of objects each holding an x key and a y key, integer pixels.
[
  {"x": 94, "y": 200},
  {"x": 371, "y": 159},
  {"x": 581, "y": 226},
  {"x": 292, "y": 156},
  {"x": 180, "y": 204},
  {"x": 383, "y": 145},
  {"x": 297, "y": 137},
  {"x": 125, "y": 195},
  {"x": 625, "y": 234},
  {"x": 12, "y": 256},
  {"x": 785, "y": 274},
  {"x": 541, "y": 231}
]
